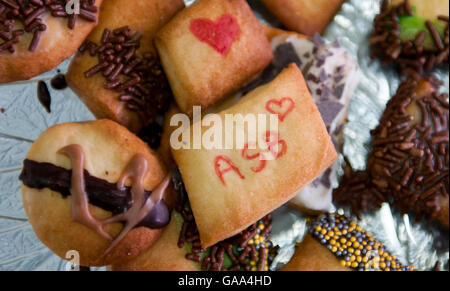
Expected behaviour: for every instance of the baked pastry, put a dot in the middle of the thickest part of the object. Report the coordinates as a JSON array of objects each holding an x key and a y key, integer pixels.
[
  {"x": 250, "y": 183},
  {"x": 305, "y": 16},
  {"x": 36, "y": 36},
  {"x": 116, "y": 72},
  {"x": 179, "y": 247},
  {"x": 209, "y": 41},
  {"x": 332, "y": 77},
  {"x": 80, "y": 180},
  {"x": 413, "y": 34},
  {"x": 335, "y": 243},
  {"x": 409, "y": 165}
]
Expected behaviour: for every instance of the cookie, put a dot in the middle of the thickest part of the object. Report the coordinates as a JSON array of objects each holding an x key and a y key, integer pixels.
[
  {"x": 209, "y": 41},
  {"x": 305, "y": 16},
  {"x": 243, "y": 185},
  {"x": 335, "y": 243},
  {"x": 332, "y": 77},
  {"x": 117, "y": 72},
  {"x": 50, "y": 36},
  {"x": 85, "y": 188},
  {"x": 413, "y": 34}
]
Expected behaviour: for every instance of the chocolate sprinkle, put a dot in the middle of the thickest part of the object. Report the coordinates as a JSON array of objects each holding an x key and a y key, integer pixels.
[
  {"x": 44, "y": 95},
  {"x": 139, "y": 80},
  {"x": 27, "y": 13},
  {"x": 410, "y": 56},
  {"x": 250, "y": 250}
]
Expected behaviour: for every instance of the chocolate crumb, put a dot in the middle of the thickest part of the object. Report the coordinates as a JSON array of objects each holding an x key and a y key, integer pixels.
[{"x": 58, "y": 82}]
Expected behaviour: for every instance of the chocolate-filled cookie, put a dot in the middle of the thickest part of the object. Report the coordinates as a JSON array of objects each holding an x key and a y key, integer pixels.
[
  {"x": 95, "y": 188},
  {"x": 413, "y": 34},
  {"x": 36, "y": 36}
]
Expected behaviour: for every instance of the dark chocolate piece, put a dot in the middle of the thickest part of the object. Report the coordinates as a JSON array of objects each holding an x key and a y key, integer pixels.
[
  {"x": 58, "y": 82},
  {"x": 44, "y": 96},
  {"x": 329, "y": 110}
]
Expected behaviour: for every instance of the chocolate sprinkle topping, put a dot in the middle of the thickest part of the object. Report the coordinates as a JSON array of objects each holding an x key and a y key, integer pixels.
[
  {"x": 139, "y": 80},
  {"x": 409, "y": 165},
  {"x": 410, "y": 56},
  {"x": 250, "y": 250},
  {"x": 28, "y": 14}
]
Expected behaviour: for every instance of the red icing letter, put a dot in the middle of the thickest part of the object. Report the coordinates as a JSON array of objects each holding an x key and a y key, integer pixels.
[
  {"x": 231, "y": 167},
  {"x": 282, "y": 107},
  {"x": 220, "y": 35},
  {"x": 262, "y": 163}
]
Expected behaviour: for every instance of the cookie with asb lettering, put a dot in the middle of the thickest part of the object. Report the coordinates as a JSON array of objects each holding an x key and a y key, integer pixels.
[
  {"x": 211, "y": 49},
  {"x": 95, "y": 188},
  {"x": 250, "y": 180},
  {"x": 117, "y": 72},
  {"x": 36, "y": 36},
  {"x": 305, "y": 16}
]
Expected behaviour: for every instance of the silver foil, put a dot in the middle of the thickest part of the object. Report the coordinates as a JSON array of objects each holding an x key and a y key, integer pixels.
[{"x": 24, "y": 119}]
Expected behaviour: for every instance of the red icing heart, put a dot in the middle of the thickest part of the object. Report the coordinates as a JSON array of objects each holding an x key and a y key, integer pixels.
[
  {"x": 220, "y": 35},
  {"x": 282, "y": 107}
]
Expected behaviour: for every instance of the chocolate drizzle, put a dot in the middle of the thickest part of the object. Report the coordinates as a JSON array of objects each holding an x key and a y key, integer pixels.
[
  {"x": 80, "y": 200},
  {"x": 138, "y": 80},
  {"x": 411, "y": 55},
  {"x": 28, "y": 14},
  {"x": 250, "y": 250}
]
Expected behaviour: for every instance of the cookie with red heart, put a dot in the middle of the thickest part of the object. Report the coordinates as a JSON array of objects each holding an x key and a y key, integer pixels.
[{"x": 210, "y": 49}]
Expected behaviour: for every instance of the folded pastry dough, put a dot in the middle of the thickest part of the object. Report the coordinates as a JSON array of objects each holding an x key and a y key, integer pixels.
[
  {"x": 210, "y": 49},
  {"x": 305, "y": 16},
  {"x": 144, "y": 17},
  {"x": 228, "y": 190}
]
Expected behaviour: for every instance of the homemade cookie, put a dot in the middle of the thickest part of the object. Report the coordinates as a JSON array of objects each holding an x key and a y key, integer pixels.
[
  {"x": 332, "y": 77},
  {"x": 36, "y": 36},
  {"x": 117, "y": 73},
  {"x": 335, "y": 243},
  {"x": 210, "y": 49},
  {"x": 245, "y": 184},
  {"x": 179, "y": 247},
  {"x": 413, "y": 34},
  {"x": 305, "y": 16},
  {"x": 80, "y": 179}
]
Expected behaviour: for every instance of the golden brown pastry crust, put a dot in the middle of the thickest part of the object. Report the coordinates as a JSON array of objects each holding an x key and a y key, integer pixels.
[
  {"x": 108, "y": 148},
  {"x": 164, "y": 149},
  {"x": 194, "y": 67},
  {"x": 57, "y": 44},
  {"x": 223, "y": 211},
  {"x": 310, "y": 255},
  {"x": 164, "y": 255},
  {"x": 147, "y": 17},
  {"x": 305, "y": 16}
]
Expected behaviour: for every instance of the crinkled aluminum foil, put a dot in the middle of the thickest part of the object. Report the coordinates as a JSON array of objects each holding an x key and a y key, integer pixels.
[{"x": 418, "y": 244}]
